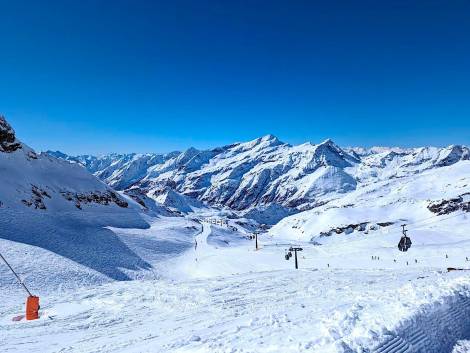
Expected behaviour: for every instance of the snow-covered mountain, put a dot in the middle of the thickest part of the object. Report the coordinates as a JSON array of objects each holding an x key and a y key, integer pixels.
[
  {"x": 41, "y": 182},
  {"x": 61, "y": 210},
  {"x": 266, "y": 171},
  {"x": 243, "y": 175}
]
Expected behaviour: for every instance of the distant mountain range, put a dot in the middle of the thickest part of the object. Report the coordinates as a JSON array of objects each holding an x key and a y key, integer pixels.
[{"x": 263, "y": 172}]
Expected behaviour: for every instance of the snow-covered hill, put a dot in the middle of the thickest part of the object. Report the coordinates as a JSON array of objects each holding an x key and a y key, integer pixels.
[
  {"x": 52, "y": 218},
  {"x": 41, "y": 182}
]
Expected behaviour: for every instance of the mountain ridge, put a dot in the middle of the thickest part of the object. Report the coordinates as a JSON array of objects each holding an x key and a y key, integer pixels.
[{"x": 265, "y": 171}]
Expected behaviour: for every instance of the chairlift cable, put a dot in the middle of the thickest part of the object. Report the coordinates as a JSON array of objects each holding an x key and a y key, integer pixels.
[{"x": 16, "y": 275}]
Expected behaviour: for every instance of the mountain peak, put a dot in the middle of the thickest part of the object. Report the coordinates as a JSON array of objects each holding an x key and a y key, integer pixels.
[
  {"x": 261, "y": 142},
  {"x": 328, "y": 142},
  {"x": 57, "y": 154},
  {"x": 334, "y": 155},
  {"x": 269, "y": 137}
]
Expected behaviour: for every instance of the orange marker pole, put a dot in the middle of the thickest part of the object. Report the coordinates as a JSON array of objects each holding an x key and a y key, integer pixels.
[{"x": 32, "y": 308}]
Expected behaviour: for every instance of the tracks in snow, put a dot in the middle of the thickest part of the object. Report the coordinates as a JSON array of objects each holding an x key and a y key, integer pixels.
[
  {"x": 201, "y": 241},
  {"x": 435, "y": 330},
  {"x": 289, "y": 311}
]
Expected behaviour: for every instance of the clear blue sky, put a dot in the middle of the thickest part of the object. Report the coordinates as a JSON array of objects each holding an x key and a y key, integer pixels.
[{"x": 99, "y": 76}]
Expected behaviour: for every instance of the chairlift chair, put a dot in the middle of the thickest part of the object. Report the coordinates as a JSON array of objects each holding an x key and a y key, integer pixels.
[{"x": 405, "y": 242}]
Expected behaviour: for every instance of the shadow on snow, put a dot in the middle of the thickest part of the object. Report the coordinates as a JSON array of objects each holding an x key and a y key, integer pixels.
[{"x": 80, "y": 237}]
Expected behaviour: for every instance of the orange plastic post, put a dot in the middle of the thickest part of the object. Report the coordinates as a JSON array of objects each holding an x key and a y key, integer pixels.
[{"x": 32, "y": 308}]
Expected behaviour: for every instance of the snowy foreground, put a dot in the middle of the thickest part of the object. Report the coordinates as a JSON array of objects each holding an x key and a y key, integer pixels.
[
  {"x": 224, "y": 296},
  {"x": 277, "y": 311}
]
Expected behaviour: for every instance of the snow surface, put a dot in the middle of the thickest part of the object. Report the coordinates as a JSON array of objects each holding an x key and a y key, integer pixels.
[
  {"x": 283, "y": 310},
  {"x": 230, "y": 297},
  {"x": 156, "y": 276},
  {"x": 462, "y": 346},
  {"x": 399, "y": 201},
  {"x": 53, "y": 216}
]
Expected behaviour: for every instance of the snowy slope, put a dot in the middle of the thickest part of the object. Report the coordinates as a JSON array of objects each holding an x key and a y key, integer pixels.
[
  {"x": 280, "y": 311},
  {"x": 224, "y": 296},
  {"x": 40, "y": 182},
  {"x": 53, "y": 216},
  {"x": 385, "y": 205},
  {"x": 243, "y": 300},
  {"x": 168, "y": 197}
]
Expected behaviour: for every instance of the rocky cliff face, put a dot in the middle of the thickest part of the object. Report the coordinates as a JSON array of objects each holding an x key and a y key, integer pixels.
[{"x": 8, "y": 141}]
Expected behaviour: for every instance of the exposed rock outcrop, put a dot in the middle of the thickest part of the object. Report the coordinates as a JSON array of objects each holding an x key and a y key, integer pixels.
[
  {"x": 361, "y": 227},
  {"x": 37, "y": 198},
  {"x": 102, "y": 198},
  {"x": 443, "y": 207},
  {"x": 8, "y": 141}
]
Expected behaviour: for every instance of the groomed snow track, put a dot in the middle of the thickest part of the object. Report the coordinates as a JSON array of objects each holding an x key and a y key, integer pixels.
[{"x": 436, "y": 329}]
